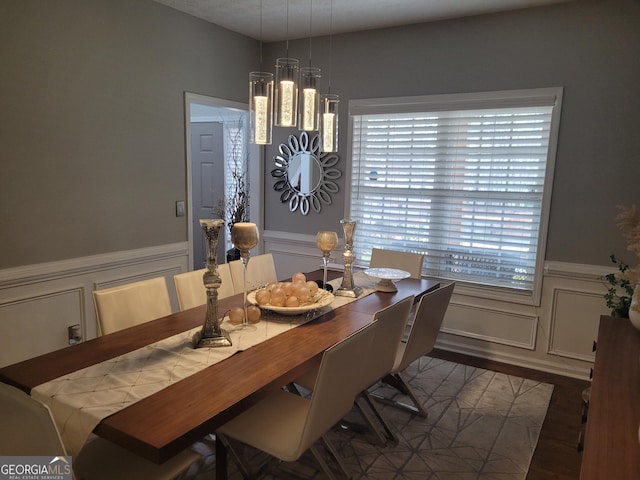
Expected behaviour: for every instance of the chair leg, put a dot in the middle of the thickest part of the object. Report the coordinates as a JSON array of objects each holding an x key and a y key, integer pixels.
[
  {"x": 323, "y": 464},
  {"x": 233, "y": 448},
  {"x": 397, "y": 382},
  {"x": 221, "y": 458},
  {"x": 336, "y": 455},
  {"x": 293, "y": 388},
  {"x": 369, "y": 426},
  {"x": 389, "y": 434}
]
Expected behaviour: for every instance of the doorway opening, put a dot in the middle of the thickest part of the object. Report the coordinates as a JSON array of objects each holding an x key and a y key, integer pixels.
[{"x": 216, "y": 130}]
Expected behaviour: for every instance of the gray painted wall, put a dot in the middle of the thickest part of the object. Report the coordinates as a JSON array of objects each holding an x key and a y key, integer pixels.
[
  {"x": 92, "y": 122},
  {"x": 92, "y": 128},
  {"x": 592, "y": 48}
]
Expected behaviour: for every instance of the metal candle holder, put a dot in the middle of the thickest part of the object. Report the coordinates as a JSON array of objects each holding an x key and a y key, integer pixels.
[
  {"x": 211, "y": 334},
  {"x": 348, "y": 289}
]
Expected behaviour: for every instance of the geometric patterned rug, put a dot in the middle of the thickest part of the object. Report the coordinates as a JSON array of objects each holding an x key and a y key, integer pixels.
[{"x": 482, "y": 425}]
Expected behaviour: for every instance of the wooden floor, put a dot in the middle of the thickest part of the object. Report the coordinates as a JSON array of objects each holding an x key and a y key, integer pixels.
[{"x": 556, "y": 455}]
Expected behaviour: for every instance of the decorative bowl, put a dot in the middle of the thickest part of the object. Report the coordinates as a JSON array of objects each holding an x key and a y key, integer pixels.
[
  {"x": 321, "y": 299},
  {"x": 386, "y": 277}
]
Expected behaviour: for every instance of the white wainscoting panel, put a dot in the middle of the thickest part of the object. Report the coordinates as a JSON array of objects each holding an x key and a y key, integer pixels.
[
  {"x": 39, "y": 323},
  {"x": 491, "y": 325},
  {"x": 575, "y": 305},
  {"x": 39, "y": 302}
]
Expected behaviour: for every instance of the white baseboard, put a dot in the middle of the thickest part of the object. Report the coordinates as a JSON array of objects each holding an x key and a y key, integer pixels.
[{"x": 543, "y": 365}]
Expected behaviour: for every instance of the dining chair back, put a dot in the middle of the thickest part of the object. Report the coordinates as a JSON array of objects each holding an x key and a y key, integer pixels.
[
  {"x": 379, "y": 362},
  {"x": 338, "y": 382},
  {"x": 381, "y": 357},
  {"x": 26, "y": 425},
  {"x": 376, "y": 364},
  {"x": 28, "y": 429},
  {"x": 261, "y": 270},
  {"x": 191, "y": 290},
  {"x": 407, "y": 261},
  {"x": 285, "y": 425},
  {"x": 420, "y": 341},
  {"x": 425, "y": 328},
  {"x": 127, "y": 305}
]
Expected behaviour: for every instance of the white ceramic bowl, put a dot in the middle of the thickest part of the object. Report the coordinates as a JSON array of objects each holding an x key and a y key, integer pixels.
[{"x": 386, "y": 277}]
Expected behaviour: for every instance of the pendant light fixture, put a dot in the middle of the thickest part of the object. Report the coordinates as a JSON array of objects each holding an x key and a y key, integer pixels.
[
  {"x": 329, "y": 127},
  {"x": 329, "y": 103},
  {"x": 286, "y": 96},
  {"x": 261, "y": 107},
  {"x": 286, "y": 87},
  {"x": 260, "y": 102},
  {"x": 309, "y": 101}
]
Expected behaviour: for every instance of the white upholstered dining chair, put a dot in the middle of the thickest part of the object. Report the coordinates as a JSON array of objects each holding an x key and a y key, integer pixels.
[
  {"x": 377, "y": 362},
  {"x": 420, "y": 341},
  {"x": 29, "y": 430},
  {"x": 285, "y": 425},
  {"x": 190, "y": 286},
  {"x": 407, "y": 261},
  {"x": 127, "y": 305},
  {"x": 261, "y": 270}
]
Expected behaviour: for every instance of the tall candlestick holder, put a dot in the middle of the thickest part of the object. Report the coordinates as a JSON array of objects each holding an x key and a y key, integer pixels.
[
  {"x": 348, "y": 289},
  {"x": 211, "y": 334}
]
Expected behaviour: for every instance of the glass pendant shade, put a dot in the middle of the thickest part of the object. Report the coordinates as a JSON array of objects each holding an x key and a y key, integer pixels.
[
  {"x": 309, "y": 101},
  {"x": 260, "y": 107},
  {"x": 286, "y": 94},
  {"x": 329, "y": 125}
]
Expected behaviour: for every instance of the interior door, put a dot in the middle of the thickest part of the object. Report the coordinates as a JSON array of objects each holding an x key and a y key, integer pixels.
[{"x": 207, "y": 172}]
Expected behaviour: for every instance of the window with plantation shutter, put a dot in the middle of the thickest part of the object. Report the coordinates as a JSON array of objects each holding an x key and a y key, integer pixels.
[{"x": 464, "y": 179}]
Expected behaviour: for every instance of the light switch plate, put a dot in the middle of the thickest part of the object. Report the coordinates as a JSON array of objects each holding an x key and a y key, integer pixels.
[{"x": 180, "y": 208}]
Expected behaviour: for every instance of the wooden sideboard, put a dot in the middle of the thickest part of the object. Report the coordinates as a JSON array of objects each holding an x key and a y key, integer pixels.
[{"x": 611, "y": 443}]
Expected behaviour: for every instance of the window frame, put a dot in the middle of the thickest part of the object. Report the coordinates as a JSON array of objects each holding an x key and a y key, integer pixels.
[{"x": 551, "y": 96}]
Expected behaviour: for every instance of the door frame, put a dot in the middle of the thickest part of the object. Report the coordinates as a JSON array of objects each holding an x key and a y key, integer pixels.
[{"x": 256, "y": 168}]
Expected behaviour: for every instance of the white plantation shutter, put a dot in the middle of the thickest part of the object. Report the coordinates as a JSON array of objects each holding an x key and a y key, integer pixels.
[
  {"x": 235, "y": 154},
  {"x": 464, "y": 180}
]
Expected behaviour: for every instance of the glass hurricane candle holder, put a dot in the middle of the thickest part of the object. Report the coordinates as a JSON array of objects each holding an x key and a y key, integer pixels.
[
  {"x": 245, "y": 236},
  {"x": 326, "y": 241}
]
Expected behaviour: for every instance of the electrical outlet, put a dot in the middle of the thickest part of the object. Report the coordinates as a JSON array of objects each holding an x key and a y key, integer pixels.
[
  {"x": 180, "y": 208},
  {"x": 75, "y": 334}
]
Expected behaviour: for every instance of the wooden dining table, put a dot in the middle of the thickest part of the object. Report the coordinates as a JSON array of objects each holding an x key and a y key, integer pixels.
[{"x": 165, "y": 423}]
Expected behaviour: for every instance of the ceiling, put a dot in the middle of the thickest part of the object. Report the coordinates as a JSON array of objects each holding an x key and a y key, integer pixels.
[{"x": 291, "y": 19}]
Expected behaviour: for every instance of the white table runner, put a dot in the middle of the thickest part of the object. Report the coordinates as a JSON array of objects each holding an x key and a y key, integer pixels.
[{"x": 81, "y": 399}]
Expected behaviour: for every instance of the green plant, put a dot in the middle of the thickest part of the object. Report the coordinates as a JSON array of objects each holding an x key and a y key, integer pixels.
[
  {"x": 623, "y": 282},
  {"x": 620, "y": 291}
]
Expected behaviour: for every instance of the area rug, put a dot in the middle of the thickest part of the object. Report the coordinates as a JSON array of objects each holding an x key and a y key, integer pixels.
[{"x": 481, "y": 425}]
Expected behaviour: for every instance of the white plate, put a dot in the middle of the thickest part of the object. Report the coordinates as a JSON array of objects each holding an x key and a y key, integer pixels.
[
  {"x": 386, "y": 276},
  {"x": 322, "y": 299}
]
